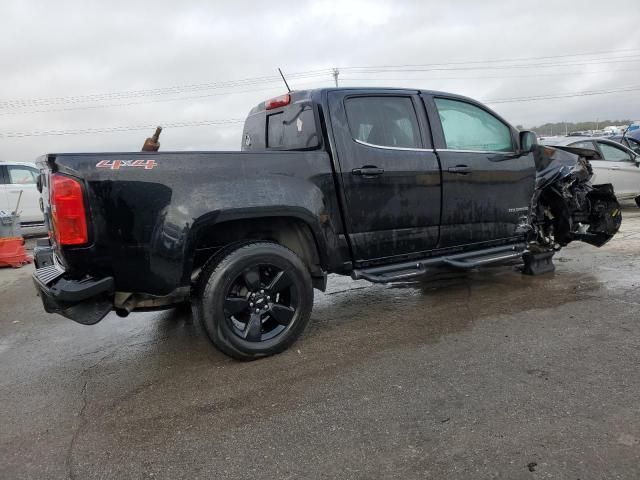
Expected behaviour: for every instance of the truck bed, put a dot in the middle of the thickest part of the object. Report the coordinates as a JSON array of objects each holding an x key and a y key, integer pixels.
[{"x": 146, "y": 209}]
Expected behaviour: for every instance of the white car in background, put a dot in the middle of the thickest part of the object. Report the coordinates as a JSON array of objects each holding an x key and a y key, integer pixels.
[
  {"x": 619, "y": 165},
  {"x": 16, "y": 177}
]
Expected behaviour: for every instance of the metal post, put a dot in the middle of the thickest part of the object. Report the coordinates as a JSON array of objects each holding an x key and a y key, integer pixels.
[{"x": 336, "y": 72}]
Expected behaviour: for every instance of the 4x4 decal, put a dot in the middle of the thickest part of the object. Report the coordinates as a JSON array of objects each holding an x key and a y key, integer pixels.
[{"x": 117, "y": 164}]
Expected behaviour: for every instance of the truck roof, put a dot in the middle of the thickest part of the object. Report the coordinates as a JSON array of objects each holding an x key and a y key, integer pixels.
[{"x": 316, "y": 93}]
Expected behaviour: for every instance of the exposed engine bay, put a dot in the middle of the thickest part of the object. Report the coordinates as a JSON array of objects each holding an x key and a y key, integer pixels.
[{"x": 565, "y": 205}]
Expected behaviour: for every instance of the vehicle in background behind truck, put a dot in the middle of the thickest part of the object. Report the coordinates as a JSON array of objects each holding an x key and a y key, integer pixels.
[
  {"x": 20, "y": 178},
  {"x": 630, "y": 141},
  {"x": 617, "y": 165}
]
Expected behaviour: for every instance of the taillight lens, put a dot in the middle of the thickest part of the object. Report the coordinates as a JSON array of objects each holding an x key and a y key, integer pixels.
[
  {"x": 67, "y": 211},
  {"x": 276, "y": 102}
]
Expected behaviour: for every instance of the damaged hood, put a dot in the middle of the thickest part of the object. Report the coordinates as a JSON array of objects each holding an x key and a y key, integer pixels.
[
  {"x": 555, "y": 163},
  {"x": 565, "y": 205}
]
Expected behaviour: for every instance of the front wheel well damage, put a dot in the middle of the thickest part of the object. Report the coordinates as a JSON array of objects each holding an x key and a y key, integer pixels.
[{"x": 566, "y": 206}]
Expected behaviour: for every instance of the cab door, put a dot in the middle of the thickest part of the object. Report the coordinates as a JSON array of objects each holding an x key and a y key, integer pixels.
[
  {"x": 389, "y": 173},
  {"x": 486, "y": 186}
]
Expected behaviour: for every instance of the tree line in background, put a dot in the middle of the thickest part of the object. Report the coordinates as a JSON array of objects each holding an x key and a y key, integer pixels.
[{"x": 561, "y": 128}]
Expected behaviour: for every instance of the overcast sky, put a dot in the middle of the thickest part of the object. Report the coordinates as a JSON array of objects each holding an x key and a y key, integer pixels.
[{"x": 92, "y": 64}]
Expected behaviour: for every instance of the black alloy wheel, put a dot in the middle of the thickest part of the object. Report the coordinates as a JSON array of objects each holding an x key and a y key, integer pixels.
[
  {"x": 254, "y": 299},
  {"x": 260, "y": 303}
]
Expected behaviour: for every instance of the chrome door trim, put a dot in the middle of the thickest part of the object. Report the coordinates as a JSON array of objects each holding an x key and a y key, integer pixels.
[{"x": 394, "y": 148}]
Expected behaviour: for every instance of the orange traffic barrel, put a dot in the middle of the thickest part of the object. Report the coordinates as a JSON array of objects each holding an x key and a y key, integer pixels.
[{"x": 12, "y": 252}]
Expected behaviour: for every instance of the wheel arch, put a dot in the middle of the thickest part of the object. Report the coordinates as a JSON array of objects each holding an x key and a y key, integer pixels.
[{"x": 294, "y": 228}]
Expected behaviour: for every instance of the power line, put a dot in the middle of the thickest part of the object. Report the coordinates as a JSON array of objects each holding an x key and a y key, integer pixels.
[
  {"x": 143, "y": 102},
  {"x": 88, "y": 131},
  {"x": 427, "y": 68},
  {"x": 631, "y": 88},
  {"x": 384, "y": 79},
  {"x": 37, "y": 102},
  {"x": 498, "y": 77},
  {"x": 503, "y": 60},
  {"x": 178, "y": 89},
  {"x": 233, "y": 121}
]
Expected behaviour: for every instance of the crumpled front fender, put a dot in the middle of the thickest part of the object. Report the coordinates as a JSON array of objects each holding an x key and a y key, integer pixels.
[{"x": 565, "y": 205}]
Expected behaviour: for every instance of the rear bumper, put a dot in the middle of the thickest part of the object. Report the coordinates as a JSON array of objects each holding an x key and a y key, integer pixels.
[{"x": 85, "y": 301}]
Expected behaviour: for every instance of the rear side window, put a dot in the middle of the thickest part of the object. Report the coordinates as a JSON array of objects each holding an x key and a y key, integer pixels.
[
  {"x": 383, "y": 121},
  {"x": 22, "y": 175},
  {"x": 293, "y": 128},
  {"x": 275, "y": 130},
  {"x": 614, "y": 154},
  {"x": 467, "y": 127}
]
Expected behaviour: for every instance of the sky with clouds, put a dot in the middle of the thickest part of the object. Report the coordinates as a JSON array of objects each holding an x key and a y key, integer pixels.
[{"x": 74, "y": 66}]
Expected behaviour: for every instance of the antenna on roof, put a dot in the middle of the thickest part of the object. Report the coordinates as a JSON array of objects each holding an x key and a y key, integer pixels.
[{"x": 284, "y": 79}]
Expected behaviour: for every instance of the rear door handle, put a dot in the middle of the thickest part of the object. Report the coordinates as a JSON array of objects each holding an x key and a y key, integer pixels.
[
  {"x": 614, "y": 167},
  {"x": 460, "y": 169},
  {"x": 368, "y": 171}
]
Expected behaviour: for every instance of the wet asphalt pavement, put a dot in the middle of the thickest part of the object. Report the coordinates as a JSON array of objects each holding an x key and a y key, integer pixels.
[{"x": 485, "y": 375}]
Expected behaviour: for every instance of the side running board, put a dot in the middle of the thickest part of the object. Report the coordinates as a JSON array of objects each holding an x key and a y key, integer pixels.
[{"x": 418, "y": 268}]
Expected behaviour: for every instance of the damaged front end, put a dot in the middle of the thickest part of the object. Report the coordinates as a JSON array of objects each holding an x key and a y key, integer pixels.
[{"x": 565, "y": 205}]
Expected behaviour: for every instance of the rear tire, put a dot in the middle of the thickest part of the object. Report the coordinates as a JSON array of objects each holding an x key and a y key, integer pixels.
[{"x": 255, "y": 299}]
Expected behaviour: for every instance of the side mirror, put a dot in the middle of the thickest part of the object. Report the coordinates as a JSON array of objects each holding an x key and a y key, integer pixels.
[{"x": 527, "y": 141}]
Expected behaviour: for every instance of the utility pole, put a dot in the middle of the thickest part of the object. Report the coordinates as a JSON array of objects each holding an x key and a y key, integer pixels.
[{"x": 335, "y": 74}]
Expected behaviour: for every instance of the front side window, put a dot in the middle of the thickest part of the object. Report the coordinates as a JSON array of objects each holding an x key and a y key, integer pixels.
[
  {"x": 614, "y": 154},
  {"x": 467, "y": 127},
  {"x": 22, "y": 175},
  {"x": 383, "y": 121}
]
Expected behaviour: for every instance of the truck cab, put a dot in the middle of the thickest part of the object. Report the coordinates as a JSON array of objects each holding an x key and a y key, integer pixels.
[{"x": 417, "y": 171}]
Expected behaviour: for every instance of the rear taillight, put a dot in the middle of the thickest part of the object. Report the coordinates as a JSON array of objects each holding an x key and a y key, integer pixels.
[
  {"x": 67, "y": 211},
  {"x": 281, "y": 101}
]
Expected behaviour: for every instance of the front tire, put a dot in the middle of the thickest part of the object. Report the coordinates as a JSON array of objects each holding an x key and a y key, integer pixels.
[{"x": 255, "y": 300}]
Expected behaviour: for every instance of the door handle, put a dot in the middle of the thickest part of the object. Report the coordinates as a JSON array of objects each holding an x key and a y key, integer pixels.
[
  {"x": 367, "y": 171},
  {"x": 460, "y": 169},
  {"x": 614, "y": 167}
]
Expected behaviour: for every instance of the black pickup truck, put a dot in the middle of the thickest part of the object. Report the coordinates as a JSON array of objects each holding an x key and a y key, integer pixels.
[{"x": 380, "y": 184}]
